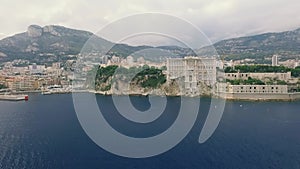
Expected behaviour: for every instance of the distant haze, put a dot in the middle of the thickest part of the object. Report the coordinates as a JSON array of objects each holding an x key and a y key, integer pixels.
[{"x": 218, "y": 19}]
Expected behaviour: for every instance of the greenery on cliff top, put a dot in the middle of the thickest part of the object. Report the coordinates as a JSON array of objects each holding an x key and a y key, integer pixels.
[
  {"x": 262, "y": 69},
  {"x": 150, "y": 77},
  {"x": 145, "y": 77},
  {"x": 249, "y": 81},
  {"x": 252, "y": 81}
]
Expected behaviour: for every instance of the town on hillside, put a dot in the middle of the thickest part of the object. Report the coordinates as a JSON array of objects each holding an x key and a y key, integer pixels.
[{"x": 196, "y": 76}]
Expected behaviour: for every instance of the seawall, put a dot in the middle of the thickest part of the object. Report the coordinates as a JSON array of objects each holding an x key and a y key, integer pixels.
[{"x": 260, "y": 96}]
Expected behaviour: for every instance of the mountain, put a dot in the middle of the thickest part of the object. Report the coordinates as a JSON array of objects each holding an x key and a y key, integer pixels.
[
  {"x": 41, "y": 43},
  {"x": 286, "y": 44},
  {"x": 54, "y": 43}
]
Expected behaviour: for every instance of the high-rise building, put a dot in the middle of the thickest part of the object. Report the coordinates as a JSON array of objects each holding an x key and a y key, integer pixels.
[
  {"x": 193, "y": 70},
  {"x": 275, "y": 60},
  {"x": 104, "y": 59}
]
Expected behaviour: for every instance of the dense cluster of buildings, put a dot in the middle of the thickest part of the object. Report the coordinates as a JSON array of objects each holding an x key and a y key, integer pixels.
[
  {"x": 33, "y": 77},
  {"x": 106, "y": 60},
  {"x": 192, "y": 71},
  {"x": 274, "y": 60}
]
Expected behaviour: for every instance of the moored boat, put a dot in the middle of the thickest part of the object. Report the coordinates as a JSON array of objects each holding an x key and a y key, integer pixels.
[{"x": 14, "y": 97}]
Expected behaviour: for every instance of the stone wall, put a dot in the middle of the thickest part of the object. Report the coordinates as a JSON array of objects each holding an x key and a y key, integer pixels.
[{"x": 259, "y": 96}]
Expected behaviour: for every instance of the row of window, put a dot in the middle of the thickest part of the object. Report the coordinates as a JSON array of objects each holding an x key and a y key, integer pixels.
[
  {"x": 261, "y": 87},
  {"x": 277, "y": 91}
]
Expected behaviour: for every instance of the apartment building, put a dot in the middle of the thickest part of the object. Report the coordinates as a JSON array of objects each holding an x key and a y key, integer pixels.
[{"x": 21, "y": 83}]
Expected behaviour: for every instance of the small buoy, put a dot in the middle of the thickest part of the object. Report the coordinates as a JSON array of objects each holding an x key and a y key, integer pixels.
[
  {"x": 26, "y": 98},
  {"x": 241, "y": 105}
]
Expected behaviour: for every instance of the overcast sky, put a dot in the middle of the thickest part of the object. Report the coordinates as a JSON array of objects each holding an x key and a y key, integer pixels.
[{"x": 218, "y": 19}]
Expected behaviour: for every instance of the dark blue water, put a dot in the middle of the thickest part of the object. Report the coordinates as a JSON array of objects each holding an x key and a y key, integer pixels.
[{"x": 45, "y": 133}]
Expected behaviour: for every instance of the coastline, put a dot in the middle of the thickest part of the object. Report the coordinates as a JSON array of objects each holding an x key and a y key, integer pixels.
[
  {"x": 260, "y": 97},
  {"x": 256, "y": 97}
]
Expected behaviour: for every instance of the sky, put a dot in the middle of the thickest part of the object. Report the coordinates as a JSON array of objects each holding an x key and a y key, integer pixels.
[{"x": 218, "y": 19}]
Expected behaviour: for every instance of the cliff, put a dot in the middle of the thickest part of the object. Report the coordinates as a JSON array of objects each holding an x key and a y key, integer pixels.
[{"x": 138, "y": 81}]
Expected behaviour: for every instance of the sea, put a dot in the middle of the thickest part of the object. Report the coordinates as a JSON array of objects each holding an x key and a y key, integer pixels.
[{"x": 45, "y": 133}]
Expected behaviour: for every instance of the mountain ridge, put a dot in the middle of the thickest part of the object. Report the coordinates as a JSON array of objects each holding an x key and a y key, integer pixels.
[
  {"x": 55, "y": 41},
  {"x": 284, "y": 43}
]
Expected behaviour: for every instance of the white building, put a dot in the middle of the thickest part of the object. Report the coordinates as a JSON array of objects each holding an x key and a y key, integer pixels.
[
  {"x": 115, "y": 59},
  {"x": 129, "y": 60},
  {"x": 275, "y": 60},
  {"x": 291, "y": 63},
  {"x": 193, "y": 70},
  {"x": 36, "y": 69},
  {"x": 56, "y": 65},
  {"x": 141, "y": 60}
]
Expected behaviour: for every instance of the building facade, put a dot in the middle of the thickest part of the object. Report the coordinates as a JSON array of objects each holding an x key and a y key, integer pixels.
[
  {"x": 193, "y": 70},
  {"x": 227, "y": 88},
  {"x": 21, "y": 83},
  {"x": 261, "y": 76},
  {"x": 275, "y": 60}
]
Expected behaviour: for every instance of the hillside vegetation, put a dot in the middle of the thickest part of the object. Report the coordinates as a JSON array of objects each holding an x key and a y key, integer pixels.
[
  {"x": 262, "y": 69},
  {"x": 144, "y": 77}
]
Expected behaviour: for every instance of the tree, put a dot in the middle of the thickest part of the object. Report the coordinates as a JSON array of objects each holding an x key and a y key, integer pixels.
[{"x": 2, "y": 86}]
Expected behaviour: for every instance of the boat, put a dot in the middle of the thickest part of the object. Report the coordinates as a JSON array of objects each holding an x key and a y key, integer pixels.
[
  {"x": 14, "y": 97},
  {"x": 46, "y": 93}
]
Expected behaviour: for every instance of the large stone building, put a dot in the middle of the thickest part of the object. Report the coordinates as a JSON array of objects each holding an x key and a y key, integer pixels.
[
  {"x": 193, "y": 70},
  {"x": 227, "y": 88},
  {"x": 261, "y": 76}
]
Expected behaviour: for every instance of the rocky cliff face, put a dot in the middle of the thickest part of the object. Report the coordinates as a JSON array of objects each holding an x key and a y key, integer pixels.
[
  {"x": 34, "y": 31},
  {"x": 37, "y": 31},
  {"x": 51, "y": 29},
  {"x": 169, "y": 89}
]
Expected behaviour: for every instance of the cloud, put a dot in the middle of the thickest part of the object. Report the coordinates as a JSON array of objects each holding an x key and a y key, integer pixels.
[{"x": 219, "y": 19}]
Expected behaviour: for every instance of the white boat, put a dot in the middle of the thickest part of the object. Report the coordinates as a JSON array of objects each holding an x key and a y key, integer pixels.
[
  {"x": 14, "y": 97},
  {"x": 46, "y": 93}
]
